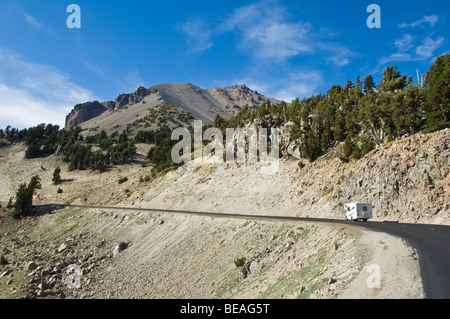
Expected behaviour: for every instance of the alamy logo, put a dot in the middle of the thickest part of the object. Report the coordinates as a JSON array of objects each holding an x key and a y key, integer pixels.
[
  {"x": 374, "y": 20},
  {"x": 241, "y": 146},
  {"x": 374, "y": 278},
  {"x": 74, "y": 278},
  {"x": 74, "y": 19}
]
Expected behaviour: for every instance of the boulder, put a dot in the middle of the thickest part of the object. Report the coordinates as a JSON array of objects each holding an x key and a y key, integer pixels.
[
  {"x": 62, "y": 247},
  {"x": 119, "y": 247},
  {"x": 31, "y": 265}
]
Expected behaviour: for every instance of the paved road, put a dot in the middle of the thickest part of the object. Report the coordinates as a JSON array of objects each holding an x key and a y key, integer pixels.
[{"x": 431, "y": 241}]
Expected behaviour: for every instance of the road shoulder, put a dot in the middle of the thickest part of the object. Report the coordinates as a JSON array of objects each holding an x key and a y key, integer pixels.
[{"x": 391, "y": 269}]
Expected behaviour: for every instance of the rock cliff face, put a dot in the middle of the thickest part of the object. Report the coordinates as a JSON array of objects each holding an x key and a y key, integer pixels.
[
  {"x": 84, "y": 112},
  {"x": 406, "y": 180}
]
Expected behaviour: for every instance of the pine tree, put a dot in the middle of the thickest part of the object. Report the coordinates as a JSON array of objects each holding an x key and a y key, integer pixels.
[
  {"x": 57, "y": 176},
  {"x": 348, "y": 86},
  {"x": 24, "y": 197},
  {"x": 21, "y": 203},
  {"x": 369, "y": 84},
  {"x": 310, "y": 148},
  {"x": 374, "y": 118},
  {"x": 437, "y": 106},
  {"x": 347, "y": 148},
  {"x": 392, "y": 80},
  {"x": 34, "y": 150}
]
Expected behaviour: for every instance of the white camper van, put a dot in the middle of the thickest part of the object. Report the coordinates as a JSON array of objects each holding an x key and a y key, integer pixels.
[{"x": 358, "y": 211}]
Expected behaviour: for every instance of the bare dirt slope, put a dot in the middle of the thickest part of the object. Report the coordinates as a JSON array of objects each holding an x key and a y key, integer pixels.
[{"x": 137, "y": 255}]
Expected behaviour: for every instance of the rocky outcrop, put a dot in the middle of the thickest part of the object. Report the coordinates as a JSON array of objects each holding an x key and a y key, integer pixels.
[
  {"x": 84, "y": 112},
  {"x": 407, "y": 180},
  {"x": 237, "y": 96},
  {"x": 129, "y": 99}
]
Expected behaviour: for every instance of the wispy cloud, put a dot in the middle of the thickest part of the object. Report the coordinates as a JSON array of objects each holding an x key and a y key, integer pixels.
[
  {"x": 267, "y": 33},
  {"x": 299, "y": 84},
  {"x": 405, "y": 43},
  {"x": 415, "y": 48},
  {"x": 32, "y": 93},
  {"x": 292, "y": 85},
  {"x": 427, "y": 48},
  {"x": 431, "y": 20},
  {"x": 32, "y": 21},
  {"x": 198, "y": 33},
  {"x": 94, "y": 68},
  {"x": 340, "y": 55},
  {"x": 133, "y": 80},
  {"x": 409, "y": 48}
]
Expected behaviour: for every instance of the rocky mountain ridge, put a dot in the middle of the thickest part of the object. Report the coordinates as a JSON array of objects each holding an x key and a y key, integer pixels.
[{"x": 204, "y": 104}]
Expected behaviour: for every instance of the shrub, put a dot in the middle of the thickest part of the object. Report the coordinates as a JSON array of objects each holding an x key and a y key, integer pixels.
[
  {"x": 123, "y": 180},
  {"x": 239, "y": 262},
  {"x": 3, "y": 260}
]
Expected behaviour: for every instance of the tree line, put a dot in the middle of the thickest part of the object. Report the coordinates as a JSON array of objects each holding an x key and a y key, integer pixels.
[
  {"x": 361, "y": 116},
  {"x": 95, "y": 152}
]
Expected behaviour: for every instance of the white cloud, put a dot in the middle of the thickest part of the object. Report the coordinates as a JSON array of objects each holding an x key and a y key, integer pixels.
[
  {"x": 340, "y": 55},
  {"x": 405, "y": 43},
  {"x": 263, "y": 29},
  {"x": 426, "y": 50},
  {"x": 267, "y": 32},
  {"x": 20, "y": 109},
  {"x": 32, "y": 21},
  {"x": 32, "y": 93},
  {"x": 408, "y": 49},
  {"x": 296, "y": 84},
  {"x": 133, "y": 80},
  {"x": 299, "y": 85},
  {"x": 425, "y": 20},
  {"x": 94, "y": 68},
  {"x": 198, "y": 34}
]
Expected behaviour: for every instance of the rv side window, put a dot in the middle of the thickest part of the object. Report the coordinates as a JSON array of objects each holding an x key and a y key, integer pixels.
[
  {"x": 364, "y": 208},
  {"x": 348, "y": 209}
]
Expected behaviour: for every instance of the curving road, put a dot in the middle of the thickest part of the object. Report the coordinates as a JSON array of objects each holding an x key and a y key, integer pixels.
[{"x": 431, "y": 241}]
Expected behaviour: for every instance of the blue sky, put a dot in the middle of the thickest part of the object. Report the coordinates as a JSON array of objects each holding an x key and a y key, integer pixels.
[{"x": 282, "y": 49}]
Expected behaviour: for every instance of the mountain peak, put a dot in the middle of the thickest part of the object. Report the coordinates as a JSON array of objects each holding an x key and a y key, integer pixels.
[{"x": 203, "y": 104}]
